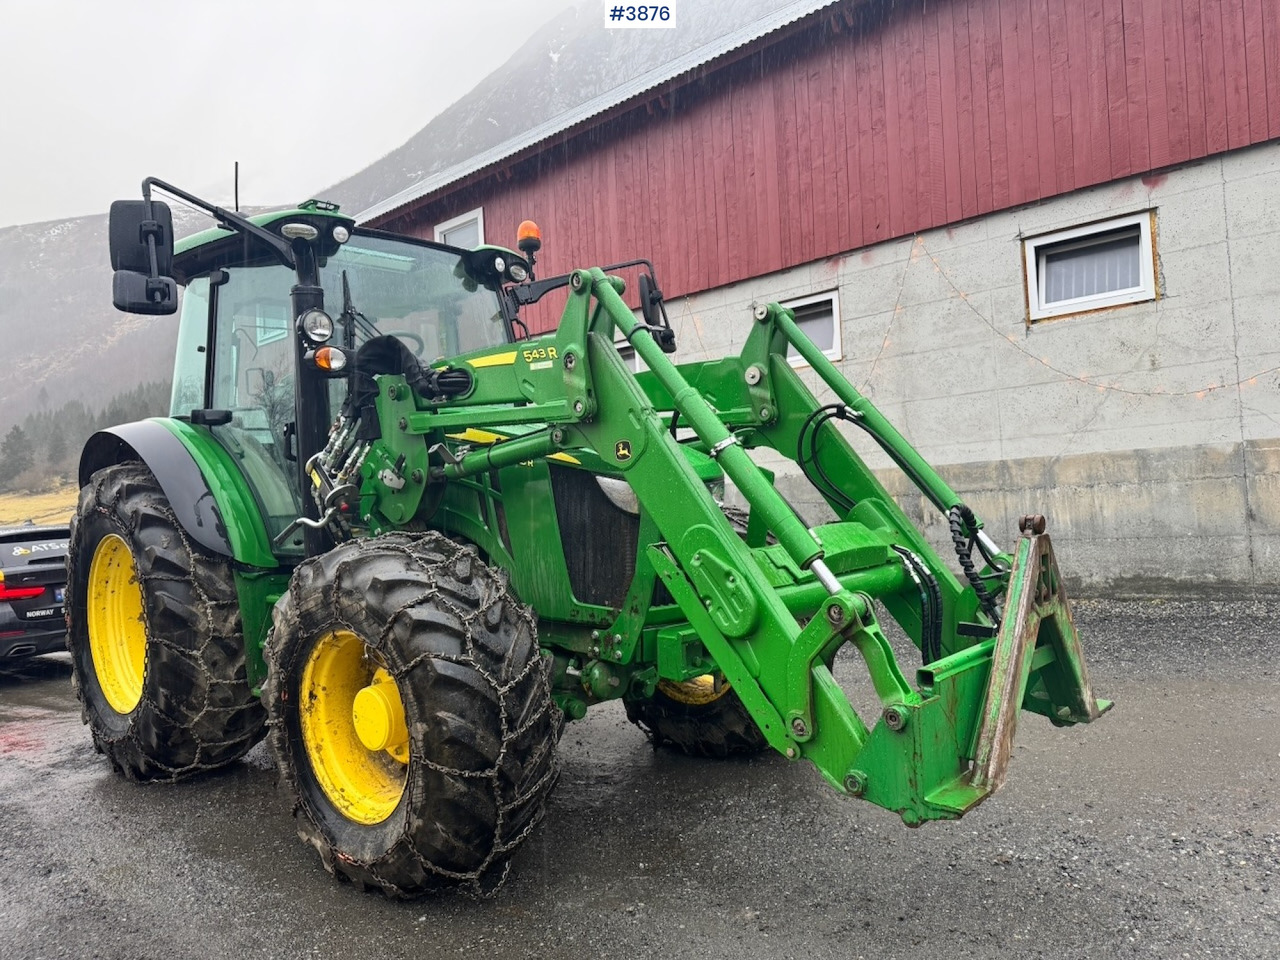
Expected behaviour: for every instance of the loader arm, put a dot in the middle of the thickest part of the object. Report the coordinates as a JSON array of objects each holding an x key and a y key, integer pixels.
[{"x": 772, "y": 617}]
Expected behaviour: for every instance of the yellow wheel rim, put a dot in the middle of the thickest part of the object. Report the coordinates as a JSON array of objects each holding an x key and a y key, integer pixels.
[
  {"x": 353, "y": 728},
  {"x": 696, "y": 692},
  {"x": 117, "y": 633}
]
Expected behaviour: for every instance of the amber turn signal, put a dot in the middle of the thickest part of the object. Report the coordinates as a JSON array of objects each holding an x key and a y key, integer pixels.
[{"x": 330, "y": 358}]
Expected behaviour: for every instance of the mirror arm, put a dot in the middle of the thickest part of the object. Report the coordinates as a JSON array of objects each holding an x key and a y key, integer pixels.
[{"x": 282, "y": 249}]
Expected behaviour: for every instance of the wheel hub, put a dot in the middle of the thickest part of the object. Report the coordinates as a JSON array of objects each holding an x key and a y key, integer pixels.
[
  {"x": 378, "y": 715},
  {"x": 117, "y": 636},
  {"x": 353, "y": 728}
]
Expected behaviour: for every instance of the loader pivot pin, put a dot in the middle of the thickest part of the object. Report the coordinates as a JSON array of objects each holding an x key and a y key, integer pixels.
[{"x": 1033, "y": 523}]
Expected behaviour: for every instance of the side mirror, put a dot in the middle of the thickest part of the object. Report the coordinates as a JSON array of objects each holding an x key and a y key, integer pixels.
[
  {"x": 131, "y": 225},
  {"x": 135, "y": 292},
  {"x": 654, "y": 317},
  {"x": 135, "y": 227},
  {"x": 649, "y": 302}
]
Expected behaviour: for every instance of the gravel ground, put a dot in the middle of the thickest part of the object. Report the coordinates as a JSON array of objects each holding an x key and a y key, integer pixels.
[{"x": 1155, "y": 833}]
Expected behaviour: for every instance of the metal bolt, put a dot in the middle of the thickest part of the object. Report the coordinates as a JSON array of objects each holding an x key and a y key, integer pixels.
[
  {"x": 835, "y": 614},
  {"x": 595, "y": 634},
  {"x": 570, "y": 361},
  {"x": 792, "y": 753},
  {"x": 557, "y": 436},
  {"x": 578, "y": 406},
  {"x": 856, "y": 783},
  {"x": 799, "y": 728},
  {"x": 754, "y": 375},
  {"x": 765, "y": 413},
  {"x": 593, "y": 651},
  {"x": 404, "y": 423},
  {"x": 416, "y": 476},
  {"x": 576, "y": 281},
  {"x": 762, "y": 312},
  {"x": 615, "y": 682},
  {"x": 617, "y": 654},
  {"x": 895, "y": 718}
]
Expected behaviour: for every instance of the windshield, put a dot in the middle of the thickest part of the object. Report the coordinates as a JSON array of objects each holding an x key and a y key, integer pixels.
[{"x": 418, "y": 293}]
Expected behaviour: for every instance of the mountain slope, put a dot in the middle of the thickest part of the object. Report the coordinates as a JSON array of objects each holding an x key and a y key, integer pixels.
[
  {"x": 565, "y": 63},
  {"x": 62, "y": 340}
]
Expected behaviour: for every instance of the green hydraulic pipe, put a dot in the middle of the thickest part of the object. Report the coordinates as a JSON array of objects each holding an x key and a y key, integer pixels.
[
  {"x": 805, "y": 599},
  {"x": 884, "y": 433},
  {"x": 722, "y": 444},
  {"x": 506, "y": 453}
]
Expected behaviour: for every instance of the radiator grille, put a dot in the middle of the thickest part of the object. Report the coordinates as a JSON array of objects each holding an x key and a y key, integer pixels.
[{"x": 600, "y": 541}]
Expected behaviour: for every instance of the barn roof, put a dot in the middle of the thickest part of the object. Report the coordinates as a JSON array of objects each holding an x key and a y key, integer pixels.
[{"x": 623, "y": 93}]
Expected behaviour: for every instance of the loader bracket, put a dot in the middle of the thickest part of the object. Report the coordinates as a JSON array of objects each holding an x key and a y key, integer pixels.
[{"x": 1037, "y": 663}]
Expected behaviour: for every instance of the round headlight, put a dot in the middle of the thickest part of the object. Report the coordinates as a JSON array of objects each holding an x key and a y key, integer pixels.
[
  {"x": 316, "y": 325},
  {"x": 518, "y": 273},
  {"x": 341, "y": 233},
  {"x": 499, "y": 264}
]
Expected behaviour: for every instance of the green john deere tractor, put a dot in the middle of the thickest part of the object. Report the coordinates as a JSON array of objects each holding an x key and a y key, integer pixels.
[{"x": 406, "y": 540}]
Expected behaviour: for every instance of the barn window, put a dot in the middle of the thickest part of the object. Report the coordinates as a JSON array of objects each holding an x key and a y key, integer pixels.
[
  {"x": 818, "y": 317},
  {"x": 1099, "y": 265},
  {"x": 464, "y": 231},
  {"x": 272, "y": 323}
]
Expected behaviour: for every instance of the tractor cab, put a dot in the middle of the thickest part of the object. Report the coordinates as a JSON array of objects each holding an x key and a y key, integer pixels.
[{"x": 277, "y": 313}]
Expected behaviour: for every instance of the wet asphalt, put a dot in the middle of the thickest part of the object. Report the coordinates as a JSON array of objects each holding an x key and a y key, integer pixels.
[{"x": 1155, "y": 833}]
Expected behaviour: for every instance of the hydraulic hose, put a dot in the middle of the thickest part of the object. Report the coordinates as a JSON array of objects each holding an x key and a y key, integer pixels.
[
  {"x": 930, "y": 605},
  {"x": 964, "y": 529}
]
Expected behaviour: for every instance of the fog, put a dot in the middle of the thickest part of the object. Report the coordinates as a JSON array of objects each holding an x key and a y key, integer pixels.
[{"x": 97, "y": 96}]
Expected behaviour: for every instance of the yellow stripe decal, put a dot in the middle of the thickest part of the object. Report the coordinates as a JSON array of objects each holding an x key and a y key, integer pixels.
[
  {"x": 494, "y": 360},
  {"x": 472, "y": 435}
]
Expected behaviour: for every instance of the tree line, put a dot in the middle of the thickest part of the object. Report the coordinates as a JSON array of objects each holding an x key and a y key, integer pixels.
[{"x": 44, "y": 449}]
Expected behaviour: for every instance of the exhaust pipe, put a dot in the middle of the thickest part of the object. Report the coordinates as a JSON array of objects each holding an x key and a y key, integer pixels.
[{"x": 21, "y": 650}]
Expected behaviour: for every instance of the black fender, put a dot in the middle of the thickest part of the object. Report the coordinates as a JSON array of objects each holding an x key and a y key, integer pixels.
[{"x": 184, "y": 486}]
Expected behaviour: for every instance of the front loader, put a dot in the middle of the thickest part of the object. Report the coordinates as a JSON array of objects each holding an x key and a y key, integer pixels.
[{"x": 409, "y": 540}]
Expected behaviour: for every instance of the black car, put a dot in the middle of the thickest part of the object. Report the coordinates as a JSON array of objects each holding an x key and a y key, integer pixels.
[{"x": 33, "y": 579}]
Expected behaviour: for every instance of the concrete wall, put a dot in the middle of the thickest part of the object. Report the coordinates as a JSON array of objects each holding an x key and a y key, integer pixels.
[{"x": 1148, "y": 434}]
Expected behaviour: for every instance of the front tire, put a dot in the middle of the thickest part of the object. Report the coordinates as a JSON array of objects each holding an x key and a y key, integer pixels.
[
  {"x": 158, "y": 656},
  {"x": 699, "y": 717},
  {"x": 411, "y": 714}
]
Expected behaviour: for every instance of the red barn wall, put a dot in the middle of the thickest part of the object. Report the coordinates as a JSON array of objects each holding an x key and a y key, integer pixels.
[{"x": 909, "y": 116}]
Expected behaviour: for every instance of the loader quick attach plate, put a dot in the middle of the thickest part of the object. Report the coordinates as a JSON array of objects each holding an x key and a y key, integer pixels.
[{"x": 1037, "y": 664}]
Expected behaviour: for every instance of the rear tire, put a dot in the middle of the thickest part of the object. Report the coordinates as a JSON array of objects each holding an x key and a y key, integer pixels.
[
  {"x": 447, "y": 799},
  {"x": 157, "y": 648}
]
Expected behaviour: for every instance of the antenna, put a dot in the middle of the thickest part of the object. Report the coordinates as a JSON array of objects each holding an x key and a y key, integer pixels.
[{"x": 237, "y": 179}]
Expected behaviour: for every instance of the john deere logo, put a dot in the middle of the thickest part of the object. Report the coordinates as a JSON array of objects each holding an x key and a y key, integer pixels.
[{"x": 622, "y": 450}]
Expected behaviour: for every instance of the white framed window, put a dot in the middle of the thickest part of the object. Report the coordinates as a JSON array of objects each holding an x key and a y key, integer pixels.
[
  {"x": 465, "y": 230},
  {"x": 630, "y": 357},
  {"x": 1085, "y": 268},
  {"x": 818, "y": 317},
  {"x": 272, "y": 324}
]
